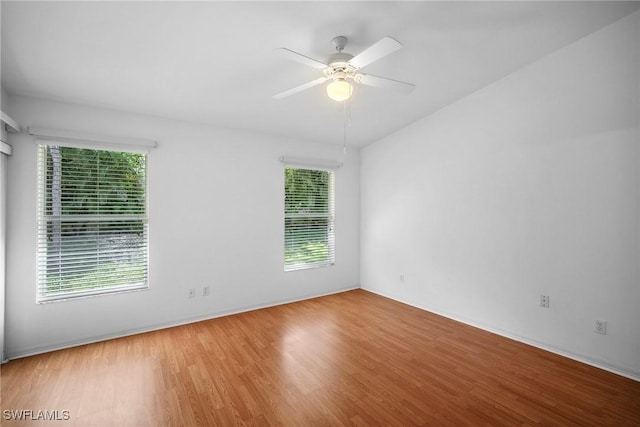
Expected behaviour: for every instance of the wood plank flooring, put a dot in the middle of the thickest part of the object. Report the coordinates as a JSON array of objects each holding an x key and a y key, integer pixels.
[{"x": 353, "y": 358}]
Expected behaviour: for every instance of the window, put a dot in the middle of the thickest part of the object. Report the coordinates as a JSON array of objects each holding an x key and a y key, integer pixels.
[
  {"x": 309, "y": 238},
  {"x": 92, "y": 222}
]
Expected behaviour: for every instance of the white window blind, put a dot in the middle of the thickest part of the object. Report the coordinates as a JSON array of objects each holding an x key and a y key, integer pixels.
[
  {"x": 309, "y": 218},
  {"x": 92, "y": 221}
]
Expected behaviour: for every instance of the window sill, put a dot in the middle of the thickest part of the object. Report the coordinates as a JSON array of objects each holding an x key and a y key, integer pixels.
[
  {"x": 94, "y": 293},
  {"x": 298, "y": 267}
]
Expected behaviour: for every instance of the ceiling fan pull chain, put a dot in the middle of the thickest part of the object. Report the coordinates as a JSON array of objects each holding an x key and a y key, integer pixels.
[
  {"x": 344, "y": 139},
  {"x": 347, "y": 121}
]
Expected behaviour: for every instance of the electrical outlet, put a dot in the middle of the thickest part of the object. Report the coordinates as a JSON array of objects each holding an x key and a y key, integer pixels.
[
  {"x": 402, "y": 277},
  {"x": 601, "y": 327},
  {"x": 205, "y": 291},
  {"x": 544, "y": 301},
  {"x": 192, "y": 292}
]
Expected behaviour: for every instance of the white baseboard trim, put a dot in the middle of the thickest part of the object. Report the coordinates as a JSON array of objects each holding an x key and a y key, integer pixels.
[
  {"x": 619, "y": 370},
  {"x": 155, "y": 327}
]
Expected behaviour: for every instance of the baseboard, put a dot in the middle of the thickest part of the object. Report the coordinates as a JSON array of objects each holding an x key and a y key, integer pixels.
[
  {"x": 155, "y": 327},
  {"x": 619, "y": 370}
]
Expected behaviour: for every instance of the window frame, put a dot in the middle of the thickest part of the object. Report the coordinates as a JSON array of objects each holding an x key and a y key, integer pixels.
[
  {"x": 42, "y": 270},
  {"x": 330, "y": 218}
]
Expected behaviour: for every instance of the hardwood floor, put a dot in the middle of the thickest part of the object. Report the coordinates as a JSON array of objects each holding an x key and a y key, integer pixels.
[{"x": 348, "y": 359}]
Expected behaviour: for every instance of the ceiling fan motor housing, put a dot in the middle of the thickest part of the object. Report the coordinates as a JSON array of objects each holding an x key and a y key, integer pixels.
[{"x": 339, "y": 64}]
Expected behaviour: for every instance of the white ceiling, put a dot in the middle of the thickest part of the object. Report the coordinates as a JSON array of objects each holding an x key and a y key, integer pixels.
[{"x": 213, "y": 62}]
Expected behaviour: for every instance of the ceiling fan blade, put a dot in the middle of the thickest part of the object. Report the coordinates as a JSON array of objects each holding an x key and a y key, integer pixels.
[
  {"x": 380, "y": 49},
  {"x": 383, "y": 82},
  {"x": 301, "y": 88},
  {"x": 298, "y": 57}
]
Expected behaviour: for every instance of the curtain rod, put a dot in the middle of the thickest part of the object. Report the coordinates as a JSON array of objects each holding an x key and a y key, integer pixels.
[
  {"x": 5, "y": 148},
  {"x": 10, "y": 124},
  {"x": 331, "y": 164},
  {"x": 71, "y": 136}
]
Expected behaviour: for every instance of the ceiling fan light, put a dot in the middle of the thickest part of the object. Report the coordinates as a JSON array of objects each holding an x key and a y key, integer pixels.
[{"x": 339, "y": 90}]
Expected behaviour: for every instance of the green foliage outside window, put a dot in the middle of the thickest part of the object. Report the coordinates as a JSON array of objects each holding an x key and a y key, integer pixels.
[
  {"x": 92, "y": 232},
  {"x": 308, "y": 217}
]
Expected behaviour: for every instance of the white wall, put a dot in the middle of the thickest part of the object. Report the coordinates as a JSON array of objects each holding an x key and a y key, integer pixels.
[
  {"x": 216, "y": 218},
  {"x": 529, "y": 186},
  {"x": 4, "y": 105}
]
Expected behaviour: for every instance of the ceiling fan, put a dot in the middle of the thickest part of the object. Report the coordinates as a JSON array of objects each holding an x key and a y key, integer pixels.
[{"x": 343, "y": 67}]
